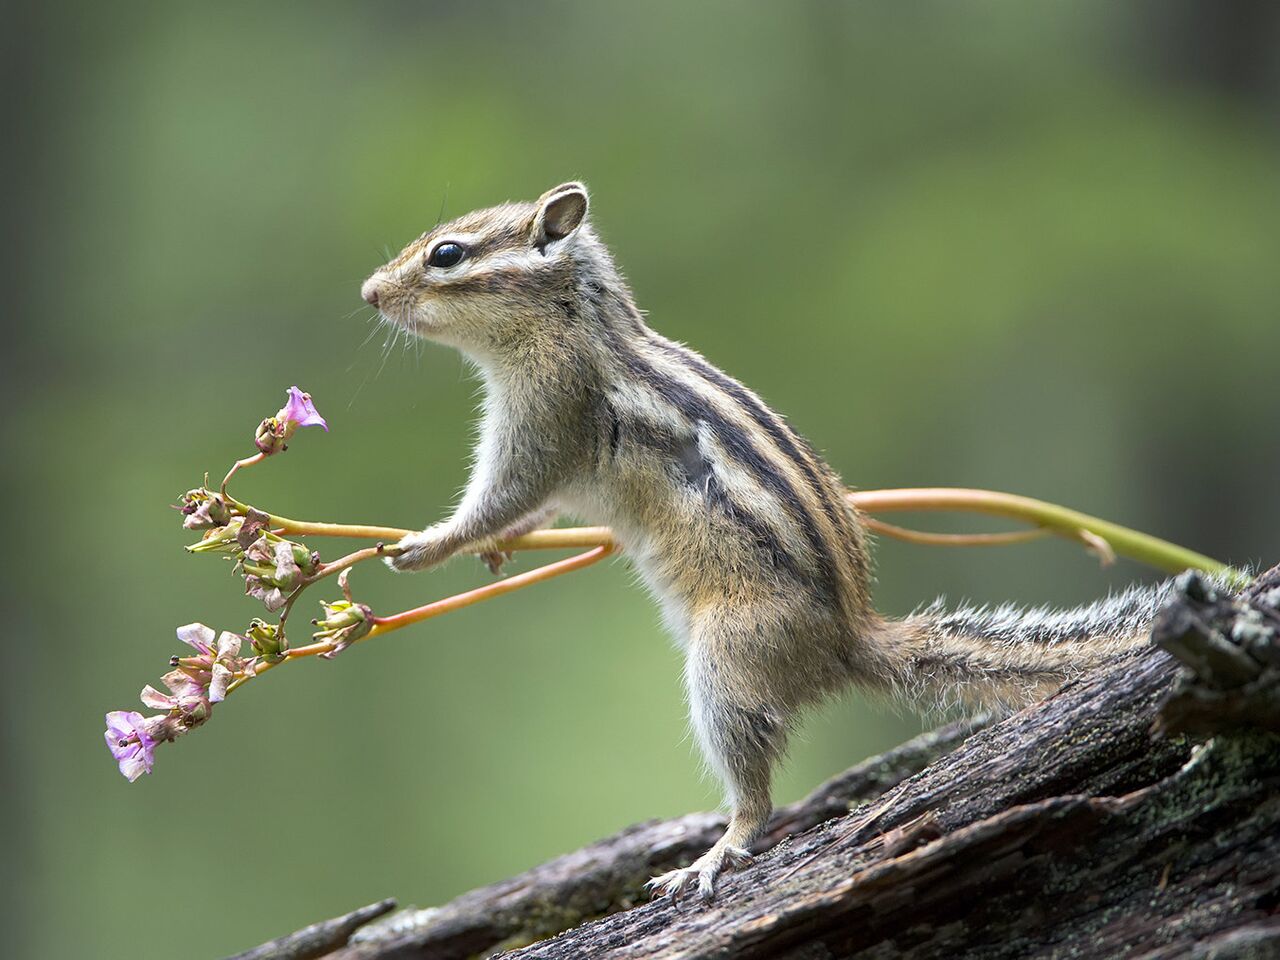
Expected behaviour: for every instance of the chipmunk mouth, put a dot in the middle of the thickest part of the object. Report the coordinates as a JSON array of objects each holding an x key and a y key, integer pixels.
[
  {"x": 395, "y": 311},
  {"x": 413, "y": 323},
  {"x": 402, "y": 308}
]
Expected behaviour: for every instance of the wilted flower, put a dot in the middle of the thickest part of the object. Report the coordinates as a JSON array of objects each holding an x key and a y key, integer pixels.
[
  {"x": 198, "y": 637},
  {"x": 207, "y": 674},
  {"x": 226, "y": 664},
  {"x": 187, "y": 699},
  {"x": 274, "y": 432},
  {"x": 204, "y": 510},
  {"x": 274, "y": 567},
  {"x": 131, "y": 743}
]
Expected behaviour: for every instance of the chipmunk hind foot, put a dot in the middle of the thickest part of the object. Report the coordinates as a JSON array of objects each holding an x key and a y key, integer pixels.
[{"x": 701, "y": 875}]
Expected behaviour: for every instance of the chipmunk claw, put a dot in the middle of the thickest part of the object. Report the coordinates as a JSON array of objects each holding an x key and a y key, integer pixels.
[
  {"x": 494, "y": 559},
  {"x": 700, "y": 875}
]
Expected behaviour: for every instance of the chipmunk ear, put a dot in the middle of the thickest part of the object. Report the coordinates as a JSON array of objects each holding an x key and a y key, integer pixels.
[{"x": 561, "y": 211}]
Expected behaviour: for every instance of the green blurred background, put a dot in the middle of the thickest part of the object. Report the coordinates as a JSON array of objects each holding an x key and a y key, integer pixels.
[{"x": 1024, "y": 246}]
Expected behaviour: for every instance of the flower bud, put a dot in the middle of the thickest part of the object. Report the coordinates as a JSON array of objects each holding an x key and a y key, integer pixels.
[
  {"x": 224, "y": 539},
  {"x": 267, "y": 639},
  {"x": 344, "y": 623},
  {"x": 203, "y": 510},
  {"x": 274, "y": 567},
  {"x": 270, "y": 436}
]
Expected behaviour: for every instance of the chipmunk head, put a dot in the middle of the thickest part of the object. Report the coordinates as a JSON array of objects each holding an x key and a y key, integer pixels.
[{"x": 491, "y": 277}]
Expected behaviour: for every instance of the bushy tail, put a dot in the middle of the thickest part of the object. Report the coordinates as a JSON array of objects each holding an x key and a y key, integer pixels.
[{"x": 1006, "y": 656}]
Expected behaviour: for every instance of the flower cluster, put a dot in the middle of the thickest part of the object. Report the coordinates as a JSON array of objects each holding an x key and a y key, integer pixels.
[
  {"x": 272, "y": 566},
  {"x": 195, "y": 685},
  {"x": 275, "y": 571}
]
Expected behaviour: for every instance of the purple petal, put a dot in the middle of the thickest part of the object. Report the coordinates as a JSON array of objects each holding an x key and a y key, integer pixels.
[
  {"x": 120, "y": 724},
  {"x": 146, "y": 743},
  {"x": 198, "y": 636},
  {"x": 301, "y": 410},
  {"x": 131, "y": 745},
  {"x": 119, "y": 752},
  {"x": 134, "y": 767}
]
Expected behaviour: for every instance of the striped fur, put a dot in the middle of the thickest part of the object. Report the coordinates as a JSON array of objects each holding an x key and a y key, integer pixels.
[
  {"x": 739, "y": 529},
  {"x": 1008, "y": 656}
]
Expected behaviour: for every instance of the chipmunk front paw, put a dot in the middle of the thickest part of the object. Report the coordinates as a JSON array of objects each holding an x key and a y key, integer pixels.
[{"x": 419, "y": 551}]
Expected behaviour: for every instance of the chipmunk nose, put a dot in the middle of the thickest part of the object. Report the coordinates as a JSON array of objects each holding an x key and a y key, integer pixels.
[{"x": 370, "y": 292}]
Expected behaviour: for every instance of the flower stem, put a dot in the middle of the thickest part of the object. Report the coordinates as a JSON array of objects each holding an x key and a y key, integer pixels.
[
  {"x": 1100, "y": 536},
  {"x": 239, "y": 464},
  {"x": 1097, "y": 535},
  {"x": 342, "y": 563},
  {"x": 1063, "y": 521},
  {"x": 564, "y": 538},
  {"x": 384, "y": 625},
  {"x": 306, "y": 528},
  {"x": 954, "y": 539}
]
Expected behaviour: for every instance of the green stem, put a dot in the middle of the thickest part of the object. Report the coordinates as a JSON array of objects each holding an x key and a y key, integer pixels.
[{"x": 1125, "y": 541}]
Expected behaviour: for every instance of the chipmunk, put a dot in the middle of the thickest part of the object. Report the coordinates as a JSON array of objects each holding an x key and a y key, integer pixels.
[{"x": 739, "y": 529}]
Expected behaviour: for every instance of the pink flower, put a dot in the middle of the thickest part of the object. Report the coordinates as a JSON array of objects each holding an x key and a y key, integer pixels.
[
  {"x": 273, "y": 433},
  {"x": 301, "y": 410},
  {"x": 129, "y": 739}
]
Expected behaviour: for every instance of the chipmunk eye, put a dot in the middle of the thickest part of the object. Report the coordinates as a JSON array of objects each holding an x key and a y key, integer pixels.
[{"x": 447, "y": 255}]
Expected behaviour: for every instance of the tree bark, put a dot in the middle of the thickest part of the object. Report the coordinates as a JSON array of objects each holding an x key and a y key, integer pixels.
[{"x": 1135, "y": 813}]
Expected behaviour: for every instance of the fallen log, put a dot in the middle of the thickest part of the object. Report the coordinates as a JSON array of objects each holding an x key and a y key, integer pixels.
[{"x": 1135, "y": 813}]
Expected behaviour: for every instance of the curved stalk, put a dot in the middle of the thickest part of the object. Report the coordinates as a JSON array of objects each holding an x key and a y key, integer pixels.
[
  {"x": 929, "y": 538},
  {"x": 1063, "y": 521},
  {"x": 1097, "y": 535},
  {"x": 239, "y": 465}
]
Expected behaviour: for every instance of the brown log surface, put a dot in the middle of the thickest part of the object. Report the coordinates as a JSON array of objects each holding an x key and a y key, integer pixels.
[{"x": 1135, "y": 813}]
